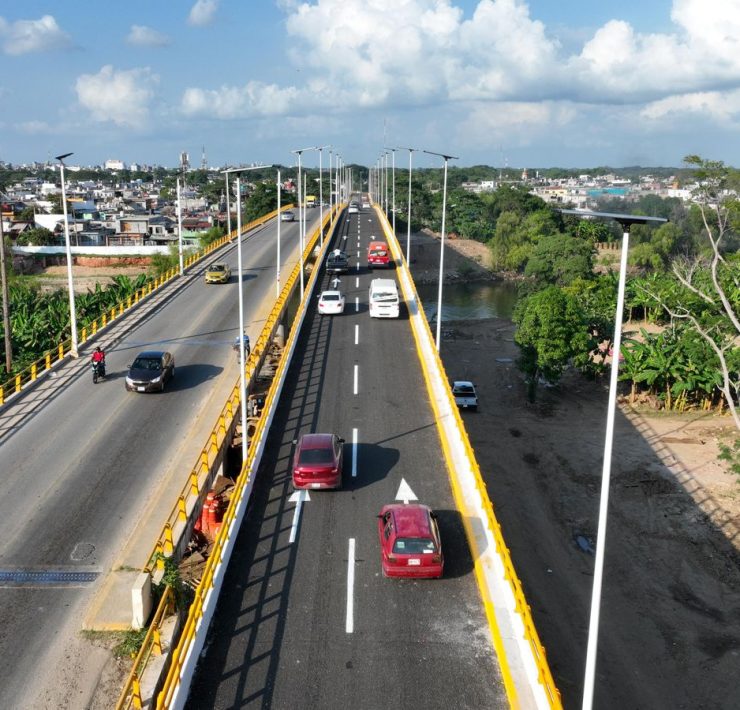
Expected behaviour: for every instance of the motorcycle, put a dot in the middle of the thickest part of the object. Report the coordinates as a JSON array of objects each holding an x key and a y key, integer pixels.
[{"x": 98, "y": 370}]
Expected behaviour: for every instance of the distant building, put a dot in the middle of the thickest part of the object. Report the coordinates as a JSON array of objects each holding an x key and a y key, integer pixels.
[{"x": 114, "y": 165}]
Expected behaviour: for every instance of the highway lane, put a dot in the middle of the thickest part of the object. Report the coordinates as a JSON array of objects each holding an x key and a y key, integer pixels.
[
  {"x": 75, "y": 476},
  {"x": 303, "y": 626}
]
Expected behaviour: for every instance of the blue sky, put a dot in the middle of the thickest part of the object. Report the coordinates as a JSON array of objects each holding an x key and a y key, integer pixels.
[{"x": 527, "y": 84}]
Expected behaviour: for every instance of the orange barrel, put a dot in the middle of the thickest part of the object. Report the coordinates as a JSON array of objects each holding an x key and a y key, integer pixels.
[{"x": 205, "y": 514}]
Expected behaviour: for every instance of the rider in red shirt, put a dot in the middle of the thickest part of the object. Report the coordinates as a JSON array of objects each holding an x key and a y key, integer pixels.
[{"x": 99, "y": 357}]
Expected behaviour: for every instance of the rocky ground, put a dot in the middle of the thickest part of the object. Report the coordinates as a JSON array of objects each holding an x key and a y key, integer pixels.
[{"x": 670, "y": 617}]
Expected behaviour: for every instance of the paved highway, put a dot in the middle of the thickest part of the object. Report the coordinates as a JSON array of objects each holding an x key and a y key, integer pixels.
[
  {"x": 312, "y": 623},
  {"x": 79, "y": 468}
]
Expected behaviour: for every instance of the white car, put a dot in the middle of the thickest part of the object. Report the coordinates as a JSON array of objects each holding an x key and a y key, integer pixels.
[
  {"x": 353, "y": 208},
  {"x": 287, "y": 216},
  {"x": 465, "y": 395},
  {"x": 331, "y": 303}
]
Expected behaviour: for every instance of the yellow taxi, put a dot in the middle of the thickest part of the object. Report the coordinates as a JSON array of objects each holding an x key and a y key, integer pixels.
[{"x": 218, "y": 274}]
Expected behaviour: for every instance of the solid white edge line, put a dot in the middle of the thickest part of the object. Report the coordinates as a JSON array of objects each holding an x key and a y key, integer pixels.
[
  {"x": 349, "y": 625},
  {"x": 354, "y": 453},
  {"x": 357, "y": 333},
  {"x": 357, "y": 367}
]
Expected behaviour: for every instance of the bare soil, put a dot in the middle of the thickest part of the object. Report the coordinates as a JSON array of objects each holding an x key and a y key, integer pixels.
[
  {"x": 85, "y": 277},
  {"x": 670, "y": 616}
]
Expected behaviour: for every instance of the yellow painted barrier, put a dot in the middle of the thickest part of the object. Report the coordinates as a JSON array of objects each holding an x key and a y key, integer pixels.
[{"x": 152, "y": 644}]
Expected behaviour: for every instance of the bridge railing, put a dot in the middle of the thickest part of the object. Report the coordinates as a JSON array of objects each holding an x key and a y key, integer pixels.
[
  {"x": 54, "y": 356},
  {"x": 195, "y": 488},
  {"x": 444, "y": 405}
]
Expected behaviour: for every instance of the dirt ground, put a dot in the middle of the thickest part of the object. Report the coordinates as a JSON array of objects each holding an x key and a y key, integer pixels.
[
  {"x": 670, "y": 616},
  {"x": 85, "y": 277}
]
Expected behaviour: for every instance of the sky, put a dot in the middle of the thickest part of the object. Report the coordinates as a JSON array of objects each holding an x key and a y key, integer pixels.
[{"x": 573, "y": 83}]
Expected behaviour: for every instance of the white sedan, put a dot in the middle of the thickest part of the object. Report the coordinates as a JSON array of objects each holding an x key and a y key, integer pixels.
[{"x": 331, "y": 303}]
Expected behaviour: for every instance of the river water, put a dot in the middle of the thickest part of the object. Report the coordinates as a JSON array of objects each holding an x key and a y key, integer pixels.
[{"x": 469, "y": 301}]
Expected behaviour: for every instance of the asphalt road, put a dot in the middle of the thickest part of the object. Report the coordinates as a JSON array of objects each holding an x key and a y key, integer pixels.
[
  {"x": 76, "y": 472},
  {"x": 313, "y": 623}
]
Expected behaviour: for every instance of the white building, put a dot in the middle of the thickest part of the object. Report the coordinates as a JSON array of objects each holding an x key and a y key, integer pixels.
[{"x": 114, "y": 165}]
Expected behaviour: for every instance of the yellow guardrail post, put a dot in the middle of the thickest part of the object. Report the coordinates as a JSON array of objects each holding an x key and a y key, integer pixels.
[
  {"x": 33, "y": 371},
  {"x": 2, "y": 395},
  {"x": 17, "y": 383},
  {"x": 60, "y": 351}
]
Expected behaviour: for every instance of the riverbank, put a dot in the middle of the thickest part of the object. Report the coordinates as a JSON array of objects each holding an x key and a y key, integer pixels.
[{"x": 669, "y": 632}]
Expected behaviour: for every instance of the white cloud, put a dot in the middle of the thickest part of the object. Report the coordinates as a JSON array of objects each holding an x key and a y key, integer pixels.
[
  {"x": 202, "y": 13},
  {"x": 417, "y": 53},
  {"x": 255, "y": 98},
  {"x": 119, "y": 96},
  {"x": 143, "y": 36},
  {"x": 723, "y": 107},
  {"x": 26, "y": 36}
]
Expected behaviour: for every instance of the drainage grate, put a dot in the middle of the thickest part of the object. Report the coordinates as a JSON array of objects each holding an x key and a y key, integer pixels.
[{"x": 45, "y": 578}]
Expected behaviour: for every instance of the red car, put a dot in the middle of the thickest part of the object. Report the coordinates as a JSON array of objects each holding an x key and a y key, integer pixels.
[
  {"x": 317, "y": 462},
  {"x": 410, "y": 545}
]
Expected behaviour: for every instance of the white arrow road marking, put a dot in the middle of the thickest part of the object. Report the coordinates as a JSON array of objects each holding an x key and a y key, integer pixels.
[
  {"x": 335, "y": 282},
  {"x": 349, "y": 625},
  {"x": 299, "y": 498},
  {"x": 405, "y": 493},
  {"x": 354, "y": 453}
]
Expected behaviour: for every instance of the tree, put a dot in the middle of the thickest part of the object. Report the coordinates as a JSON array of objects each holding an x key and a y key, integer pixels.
[
  {"x": 551, "y": 331},
  {"x": 560, "y": 259},
  {"x": 709, "y": 293}
]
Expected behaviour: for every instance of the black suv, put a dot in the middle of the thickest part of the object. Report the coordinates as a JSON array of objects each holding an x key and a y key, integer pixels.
[{"x": 337, "y": 262}]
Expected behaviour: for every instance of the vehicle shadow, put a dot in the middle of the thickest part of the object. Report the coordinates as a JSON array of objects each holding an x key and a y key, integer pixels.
[
  {"x": 188, "y": 376},
  {"x": 374, "y": 463},
  {"x": 458, "y": 558}
]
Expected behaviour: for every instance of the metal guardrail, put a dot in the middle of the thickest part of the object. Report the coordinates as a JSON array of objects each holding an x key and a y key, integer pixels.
[
  {"x": 165, "y": 545},
  {"x": 544, "y": 674},
  {"x": 152, "y": 645},
  {"x": 54, "y": 356}
]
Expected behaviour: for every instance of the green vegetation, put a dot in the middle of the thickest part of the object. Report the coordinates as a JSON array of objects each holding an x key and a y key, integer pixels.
[{"x": 40, "y": 321}]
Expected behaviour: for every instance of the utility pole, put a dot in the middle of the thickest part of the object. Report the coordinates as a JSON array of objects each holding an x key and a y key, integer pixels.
[{"x": 6, "y": 304}]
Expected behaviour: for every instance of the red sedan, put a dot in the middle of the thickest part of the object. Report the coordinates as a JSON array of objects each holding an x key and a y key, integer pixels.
[
  {"x": 317, "y": 462},
  {"x": 410, "y": 545}
]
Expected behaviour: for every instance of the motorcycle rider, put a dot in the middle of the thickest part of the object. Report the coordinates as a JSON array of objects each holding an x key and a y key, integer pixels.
[{"x": 99, "y": 357}]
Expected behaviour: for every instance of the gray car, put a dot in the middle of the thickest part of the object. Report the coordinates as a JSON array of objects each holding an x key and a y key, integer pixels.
[{"x": 150, "y": 371}]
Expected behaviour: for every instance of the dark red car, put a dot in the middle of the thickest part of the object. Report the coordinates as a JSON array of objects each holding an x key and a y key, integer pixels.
[
  {"x": 410, "y": 545},
  {"x": 317, "y": 462}
]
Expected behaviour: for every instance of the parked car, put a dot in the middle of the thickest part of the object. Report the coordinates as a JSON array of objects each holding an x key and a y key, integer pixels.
[
  {"x": 410, "y": 545},
  {"x": 317, "y": 462},
  {"x": 150, "y": 371},
  {"x": 331, "y": 303},
  {"x": 465, "y": 394},
  {"x": 287, "y": 216},
  {"x": 218, "y": 274},
  {"x": 337, "y": 262}
]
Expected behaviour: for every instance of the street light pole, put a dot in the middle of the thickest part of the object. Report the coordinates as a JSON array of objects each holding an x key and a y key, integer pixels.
[
  {"x": 179, "y": 225},
  {"x": 72, "y": 313},
  {"x": 6, "y": 304},
  {"x": 441, "y": 246},
  {"x": 321, "y": 195},
  {"x": 300, "y": 213},
  {"x": 593, "y": 628},
  {"x": 408, "y": 220},
  {"x": 279, "y": 220},
  {"x": 242, "y": 358},
  {"x": 228, "y": 207}
]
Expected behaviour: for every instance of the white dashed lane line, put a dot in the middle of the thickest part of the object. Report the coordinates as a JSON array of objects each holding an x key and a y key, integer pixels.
[
  {"x": 356, "y": 378},
  {"x": 349, "y": 625}
]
